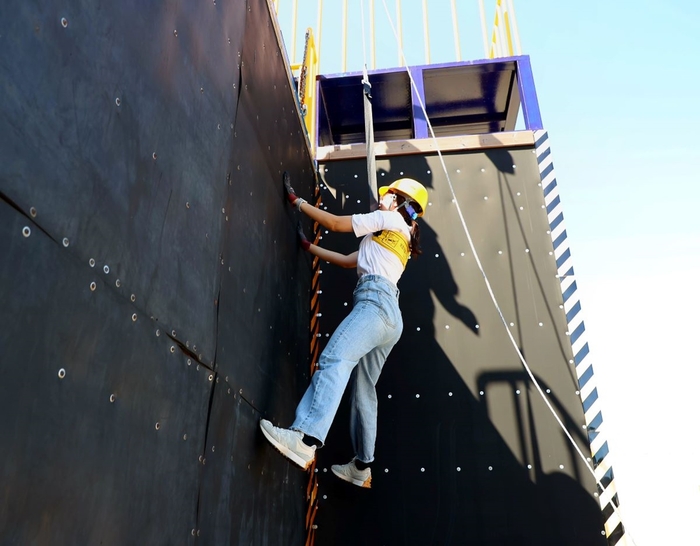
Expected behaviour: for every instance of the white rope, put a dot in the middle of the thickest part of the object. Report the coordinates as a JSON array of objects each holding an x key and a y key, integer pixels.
[
  {"x": 364, "y": 49},
  {"x": 483, "y": 273}
]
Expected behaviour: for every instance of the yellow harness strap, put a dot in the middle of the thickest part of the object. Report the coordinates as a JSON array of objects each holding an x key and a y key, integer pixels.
[{"x": 394, "y": 241}]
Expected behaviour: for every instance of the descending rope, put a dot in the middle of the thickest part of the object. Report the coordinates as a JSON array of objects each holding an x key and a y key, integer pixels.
[
  {"x": 483, "y": 273},
  {"x": 369, "y": 122}
]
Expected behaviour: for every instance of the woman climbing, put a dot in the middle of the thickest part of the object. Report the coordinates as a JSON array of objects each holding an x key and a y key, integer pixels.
[{"x": 357, "y": 350}]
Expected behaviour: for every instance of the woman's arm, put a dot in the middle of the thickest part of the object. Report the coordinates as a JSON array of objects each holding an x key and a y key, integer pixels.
[
  {"x": 336, "y": 258},
  {"x": 326, "y": 219}
]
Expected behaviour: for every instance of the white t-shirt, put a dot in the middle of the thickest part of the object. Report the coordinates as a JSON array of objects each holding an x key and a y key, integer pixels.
[{"x": 373, "y": 258}]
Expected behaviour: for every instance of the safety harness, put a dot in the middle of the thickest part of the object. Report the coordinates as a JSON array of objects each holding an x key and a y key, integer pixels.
[{"x": 393, "y": 241}]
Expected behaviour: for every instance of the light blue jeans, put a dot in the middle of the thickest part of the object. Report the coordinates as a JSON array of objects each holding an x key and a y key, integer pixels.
[{"x": 356, "y": 351}]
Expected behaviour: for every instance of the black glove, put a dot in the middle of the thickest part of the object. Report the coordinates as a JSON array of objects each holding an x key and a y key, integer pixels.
[
  {"x": 305, "y": 244},
  {"x": 291, "y": 194}
]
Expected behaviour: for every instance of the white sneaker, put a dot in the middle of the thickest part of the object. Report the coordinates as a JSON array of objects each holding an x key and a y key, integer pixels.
[
  {"x": 288, "y": 443},
  {"x": 350, "y": 473}
]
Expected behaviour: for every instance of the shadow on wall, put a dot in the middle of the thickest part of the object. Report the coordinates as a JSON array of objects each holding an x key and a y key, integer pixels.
[{"x": 443, "y": 473}]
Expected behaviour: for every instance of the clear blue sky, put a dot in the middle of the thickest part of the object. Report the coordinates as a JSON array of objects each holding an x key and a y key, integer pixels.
[{"x": 618, "y": 86}]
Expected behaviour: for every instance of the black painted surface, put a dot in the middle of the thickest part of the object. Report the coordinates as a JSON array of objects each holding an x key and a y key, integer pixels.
[
  {"x": 459, "y": 420},
  {"x": 77, "y": 467},
  {"x": 196, "y": 239}
]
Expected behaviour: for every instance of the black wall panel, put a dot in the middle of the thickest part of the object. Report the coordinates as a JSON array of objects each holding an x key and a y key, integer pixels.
[
  {"x": 110, "y": 125},
  {"x": 101, "y": 414},
  {"x": 467, "y": 451},
  {"x": 142, "y": 145}
]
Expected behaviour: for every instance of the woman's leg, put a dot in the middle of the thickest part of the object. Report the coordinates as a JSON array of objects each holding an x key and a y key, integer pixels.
[
  {"x": 368, "y": 326},
  {"x": 363, "y": 399}
]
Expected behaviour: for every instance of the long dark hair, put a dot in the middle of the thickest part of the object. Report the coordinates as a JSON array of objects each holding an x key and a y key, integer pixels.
[{"x": 413, "y": 225}]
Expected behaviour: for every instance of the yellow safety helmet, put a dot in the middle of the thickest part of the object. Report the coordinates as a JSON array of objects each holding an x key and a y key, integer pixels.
[{"x": 411, "y": 190}]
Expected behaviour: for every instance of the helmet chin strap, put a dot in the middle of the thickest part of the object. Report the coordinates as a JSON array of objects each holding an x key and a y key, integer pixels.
[{"x": 409, "y": 209}]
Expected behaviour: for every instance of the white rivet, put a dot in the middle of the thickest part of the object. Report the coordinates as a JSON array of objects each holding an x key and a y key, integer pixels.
[
  {"x": 422, "y": 469},
  {"x": 529, "y": 467},
  {"x": 65, "y": 242},
  {"x": 91, "y": 262},
  {"x": 172, "y": 348},
  {"x": 133, "y": 297},
  {"x": 61, "y": 373},
  {"x": 325, "y": 496},
  {"x": 490, "y": 468},
  {"x": 483, "y": 170},
  {"x": 578, "y": 392},
  {"x": 64, "y": 22},
  {"x": 157, "y": 333},
  {"x": 428, "y": 171},
  {"x": 418, "y": 329},
  {"x": 515, "y": 167},
  {"x": 500, "y": 252},
  {"x": 476, "y": 326},
  {"x": 512, "y": 324},
  {"x": 26, "y": 231},
  {"x": 118, "y": 101},
  {"x": 112, "y": 398},
  {"x": 561, "y": 467},
  {"x": 486, "y": 198},
  {"x": 449, "y": 394},
  {"x": 521, "y": 208},
  {"x": 517, "y": 391},
  {"x": 355, "y": 176},
  {"x": 389, "y": 396},
  {"x": 417, "y": 395},
  {"x": 527, "y": 250},
  {"x": 481, "y": 393},
  {"x": 462, "y": 254},
  {"x": 358, "y": 200},
  {"x": 157, "y": 426},
  {"x": 211, "y": 376},
  {"x": 437, "y": 255},
  {"x": 548, "y": 391},
  {"x": 134, "y": 317},
  {"x": 447, "y": 326},
  {"x": 106, "y": 269},
  {"x": 93, "y": 286},
  {"x": 155, "y": 156},
  {"x": 184, "y": 437},
  {"x": 517, "y": 193},
  {"x": 32, "y": 211},
  {"x": 386, "y": 470},
  {"x": 541, "y": 324},
  {"x": 459, "y": 469},
  {"x": 459, "y": 171},
  {"x": 401, "y": 173},
  {"x": 430, "y": 204},
  {"x": 571, "y": 361},
  {"x": 345, "y": 304}
]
